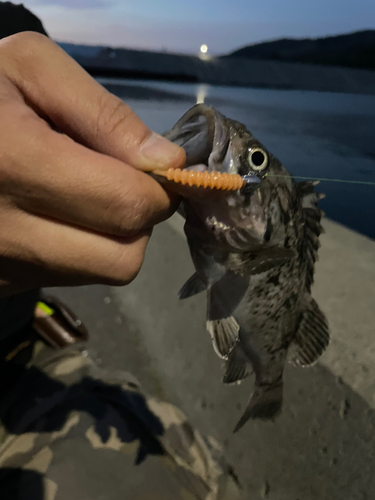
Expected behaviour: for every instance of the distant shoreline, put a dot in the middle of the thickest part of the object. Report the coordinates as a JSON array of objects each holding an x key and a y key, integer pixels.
[
  {"x": 231, "y": 72},
  {"x": 281, "y": 64},
  {"x": 98, "y": 72},
  {"x": 349, "y": 50}
]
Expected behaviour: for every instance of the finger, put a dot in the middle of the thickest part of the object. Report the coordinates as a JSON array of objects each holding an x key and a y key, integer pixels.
[
  {"x": 56, "y": 86},
  {"x": 57, "y": 177},
  {"x": 46, "y": 253}
]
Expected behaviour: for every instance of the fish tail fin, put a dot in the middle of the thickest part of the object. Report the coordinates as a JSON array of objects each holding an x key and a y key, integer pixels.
[{"x": 265, "y": 403}]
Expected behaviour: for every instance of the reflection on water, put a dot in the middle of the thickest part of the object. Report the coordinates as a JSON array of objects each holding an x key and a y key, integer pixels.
[
  {"x": 315, "y": 134},
  {"x": 202, "y": 91}
]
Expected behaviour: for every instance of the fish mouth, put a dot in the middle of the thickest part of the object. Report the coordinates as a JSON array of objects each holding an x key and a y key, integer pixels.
[
  {"x": 196, "y": 133},
  {"x": 205, "y": 136}
]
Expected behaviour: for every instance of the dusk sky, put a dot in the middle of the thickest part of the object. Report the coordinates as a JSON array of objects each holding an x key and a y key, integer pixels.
[{"x": 182, "y": 26}]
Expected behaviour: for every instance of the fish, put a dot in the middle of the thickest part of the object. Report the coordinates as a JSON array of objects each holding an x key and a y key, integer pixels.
[{"x": 254, "y": 250}]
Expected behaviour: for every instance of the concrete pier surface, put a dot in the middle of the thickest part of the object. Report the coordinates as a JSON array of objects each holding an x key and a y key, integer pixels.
[{"x": 323, "y": 444}]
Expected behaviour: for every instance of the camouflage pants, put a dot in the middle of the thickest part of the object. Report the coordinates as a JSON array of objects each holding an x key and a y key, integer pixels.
[{"x": 69, "y": 430}]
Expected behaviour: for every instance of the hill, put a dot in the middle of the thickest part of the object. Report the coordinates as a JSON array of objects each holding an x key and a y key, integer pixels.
[
  {"x": 15, "y": 18},
  {"x": 355, "y": 50}
]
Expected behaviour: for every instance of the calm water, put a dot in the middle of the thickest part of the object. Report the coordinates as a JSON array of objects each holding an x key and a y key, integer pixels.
[{"x": 314, "y": 134}]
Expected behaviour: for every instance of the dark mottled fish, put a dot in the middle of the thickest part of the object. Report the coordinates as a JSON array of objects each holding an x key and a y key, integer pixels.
[{"x": 254, "y": 252}]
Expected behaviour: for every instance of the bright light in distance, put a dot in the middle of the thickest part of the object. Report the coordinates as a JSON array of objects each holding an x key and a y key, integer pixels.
[{"x": 204, "y": 48}]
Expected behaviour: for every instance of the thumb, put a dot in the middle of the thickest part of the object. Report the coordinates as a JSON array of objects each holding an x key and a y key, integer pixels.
[{"x": 60, "y": 90}]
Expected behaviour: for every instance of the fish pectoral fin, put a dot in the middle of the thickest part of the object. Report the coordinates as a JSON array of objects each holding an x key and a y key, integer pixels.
[
  {"x": 256, "y": 263},
  {"x": 237, "y": 367},
  {"x": 265, "y": 403},
  {"x": 224, "y": 334},
  {"x": 193, "y": 286},
  {"x": 312, "y": 336}
]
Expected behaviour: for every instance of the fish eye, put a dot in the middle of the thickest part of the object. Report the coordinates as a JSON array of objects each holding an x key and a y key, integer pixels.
[{"x": 258, "y": 159}]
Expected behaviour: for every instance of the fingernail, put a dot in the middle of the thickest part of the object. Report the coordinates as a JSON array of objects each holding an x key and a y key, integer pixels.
[{"x": 159, "y": 150}]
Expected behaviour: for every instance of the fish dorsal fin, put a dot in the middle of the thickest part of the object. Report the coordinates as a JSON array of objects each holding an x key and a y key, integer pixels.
[
  {"x": 312, "y": 336},
  {"x": 313, "y": 228},
  {"x": 193, "y": 286},
  {"x": 221, "y": 325},
  {"x": 237, "y": 367}
]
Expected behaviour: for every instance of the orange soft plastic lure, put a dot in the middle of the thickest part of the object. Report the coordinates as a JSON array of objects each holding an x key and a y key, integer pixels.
[{"x": 212, "y": 180}]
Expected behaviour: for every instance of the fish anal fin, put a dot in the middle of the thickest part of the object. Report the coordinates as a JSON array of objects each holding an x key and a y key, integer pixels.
[
  {"x": 224, "y": 335},
  {"x": 193, "y": 286},
  {"x": 312, "y": 336},
  {"x": 265, "y": 404},
  {"x": 237, "y": 367}
]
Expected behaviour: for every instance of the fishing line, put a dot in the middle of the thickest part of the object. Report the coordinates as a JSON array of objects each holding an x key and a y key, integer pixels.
[{"x": 365, "y": 183}]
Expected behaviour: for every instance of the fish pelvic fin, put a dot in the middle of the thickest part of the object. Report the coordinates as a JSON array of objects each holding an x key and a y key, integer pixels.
[
  {"x": 312, "y": 336},
  {"x": 221, "y": 325},
  {"x": 237, "y": 366},
  {"x": 193, "y": 286},
  {"x": 265, "y": 403}
]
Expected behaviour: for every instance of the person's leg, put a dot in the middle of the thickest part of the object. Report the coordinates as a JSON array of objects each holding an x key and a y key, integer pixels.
[
  {"x": 71, "y": 431},
  {"x": 16, "y": 312}
]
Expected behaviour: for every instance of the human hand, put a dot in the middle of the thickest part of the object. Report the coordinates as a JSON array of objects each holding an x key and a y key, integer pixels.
[{"x": 75, "y": 205}]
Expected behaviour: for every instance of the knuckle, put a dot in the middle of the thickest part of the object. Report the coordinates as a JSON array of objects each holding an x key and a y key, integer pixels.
[
  {"x": 128, "y": 211},
  {"x": 122, "y": 223},
  {"x": 35, "y": 135},
  {"x": 125, "y": 266},
  {"x": 23, "y": 45},
  {"x": 19, "y": 126},
  {"x": 137, "y": 215},
  {"x": 23, "y": 54},
  {"x": 113, "y": 114},
  {"x": 9, "y": 148}
]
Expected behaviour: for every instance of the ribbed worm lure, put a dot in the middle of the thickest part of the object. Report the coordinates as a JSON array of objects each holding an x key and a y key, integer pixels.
[{"x": 212, "y": 180}]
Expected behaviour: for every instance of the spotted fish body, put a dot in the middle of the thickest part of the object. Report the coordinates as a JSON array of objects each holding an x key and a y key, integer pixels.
[{"x": 254, "y": 252}]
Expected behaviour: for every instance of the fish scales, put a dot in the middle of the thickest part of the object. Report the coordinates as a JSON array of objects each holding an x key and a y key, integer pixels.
[{"x": 254, "y": 252}]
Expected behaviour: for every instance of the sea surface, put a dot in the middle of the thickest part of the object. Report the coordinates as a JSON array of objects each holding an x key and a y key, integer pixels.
[{"x": 319, "y": 135}]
